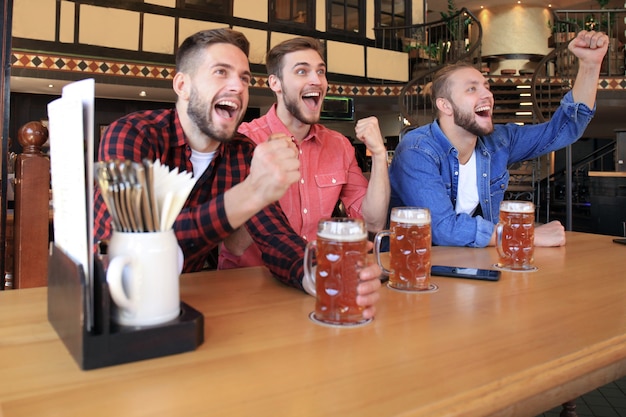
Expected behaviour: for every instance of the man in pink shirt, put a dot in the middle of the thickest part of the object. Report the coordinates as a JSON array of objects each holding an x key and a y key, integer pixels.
[{"x": 328, "y": 168}]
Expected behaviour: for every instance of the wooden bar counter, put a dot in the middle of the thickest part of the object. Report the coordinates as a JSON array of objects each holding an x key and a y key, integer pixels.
[{"x": 516, "y": 347}]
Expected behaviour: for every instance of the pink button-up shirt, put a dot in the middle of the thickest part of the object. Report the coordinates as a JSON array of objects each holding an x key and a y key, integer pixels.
[{"x": 329, "y": 172}]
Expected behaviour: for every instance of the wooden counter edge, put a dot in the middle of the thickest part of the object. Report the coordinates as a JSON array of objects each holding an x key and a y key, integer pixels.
[
  {"x": 616, "y": 174},
  {"x": 583, "y": 370}
]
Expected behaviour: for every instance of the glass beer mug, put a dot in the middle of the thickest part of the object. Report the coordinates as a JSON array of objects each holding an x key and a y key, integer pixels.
[
  {"x": 515, "y": 235},
  {"x": 341, "y": 252},
  {"x": 410, "y": 242}
]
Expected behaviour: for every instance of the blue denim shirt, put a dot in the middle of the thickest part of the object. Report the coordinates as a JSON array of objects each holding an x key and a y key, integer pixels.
[{"x": 425, "y": 170}]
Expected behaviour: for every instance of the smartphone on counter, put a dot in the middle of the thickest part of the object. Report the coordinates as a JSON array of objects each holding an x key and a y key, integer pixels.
[{"x": 461, "y": 272}]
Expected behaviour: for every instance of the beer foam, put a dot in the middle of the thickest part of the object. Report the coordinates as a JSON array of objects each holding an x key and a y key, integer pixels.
[
  {"x": 410, "y": 215},
  {"x": 342, "y": 231},
  {"x": 518, "y": 206}
]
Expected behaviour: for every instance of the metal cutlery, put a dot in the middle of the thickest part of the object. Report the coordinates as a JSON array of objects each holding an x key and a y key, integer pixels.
[{"x": 142, "y": 197}]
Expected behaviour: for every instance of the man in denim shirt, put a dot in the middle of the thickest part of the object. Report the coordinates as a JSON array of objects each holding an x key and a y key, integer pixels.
[{"x": 457, "y": 165}]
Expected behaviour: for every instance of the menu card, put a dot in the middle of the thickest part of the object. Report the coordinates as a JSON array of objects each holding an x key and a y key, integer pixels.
[{"x": 71, "y": 126}]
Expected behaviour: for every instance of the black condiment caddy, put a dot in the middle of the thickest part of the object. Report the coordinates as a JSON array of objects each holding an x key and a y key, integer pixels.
[{"x": 105, "y": 343}]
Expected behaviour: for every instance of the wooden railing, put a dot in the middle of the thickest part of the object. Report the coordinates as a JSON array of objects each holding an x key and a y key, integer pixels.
[{"x": 28, "y": 265}]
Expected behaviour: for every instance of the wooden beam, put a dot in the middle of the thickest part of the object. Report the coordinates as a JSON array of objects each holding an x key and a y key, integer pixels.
[{"x": 5, "y": 94}]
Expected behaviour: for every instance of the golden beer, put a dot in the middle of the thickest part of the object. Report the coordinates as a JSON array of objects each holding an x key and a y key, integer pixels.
[
  {"x": 409, "y": 249},
  {"x": 515, "y": 235},
  {"x": 341, "y": 251}
]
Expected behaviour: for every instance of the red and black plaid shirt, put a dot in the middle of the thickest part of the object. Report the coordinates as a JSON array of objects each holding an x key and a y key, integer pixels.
[{"x": 202, "y": 223}]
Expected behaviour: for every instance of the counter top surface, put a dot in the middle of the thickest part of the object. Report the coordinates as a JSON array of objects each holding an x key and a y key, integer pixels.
[{"x": 515, "y": 347}]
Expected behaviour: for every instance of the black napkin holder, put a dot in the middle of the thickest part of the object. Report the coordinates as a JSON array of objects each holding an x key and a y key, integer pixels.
[{"x": 106, "y": 343}]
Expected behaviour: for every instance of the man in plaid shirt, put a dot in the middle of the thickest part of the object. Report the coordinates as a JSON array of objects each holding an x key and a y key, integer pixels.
[{"x": 238, "y": 183}]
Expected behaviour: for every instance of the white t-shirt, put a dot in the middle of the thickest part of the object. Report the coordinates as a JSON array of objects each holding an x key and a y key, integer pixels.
[
  {"x": 200, "y": 161},
  {"x": 467, "y": 196}
]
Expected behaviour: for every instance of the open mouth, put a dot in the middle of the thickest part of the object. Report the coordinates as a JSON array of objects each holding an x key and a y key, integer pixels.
[
  {"x": 226, "y": 109},
  {"x": 312, "y": 99},
  {"x": 483, "y": 111}
]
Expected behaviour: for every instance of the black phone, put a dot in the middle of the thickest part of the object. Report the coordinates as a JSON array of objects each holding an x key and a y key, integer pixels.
[
  {"x": 462, "y": 272},
  {"x": 622, "y": 241}
]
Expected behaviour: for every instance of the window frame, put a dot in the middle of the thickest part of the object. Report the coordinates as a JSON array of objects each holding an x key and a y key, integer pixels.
[
  {"x": 309, "y": 23},
  {"x": 378, "y": 13},
  {"x": 360, "y": 9},
  {"x": 226, "y": 5}
]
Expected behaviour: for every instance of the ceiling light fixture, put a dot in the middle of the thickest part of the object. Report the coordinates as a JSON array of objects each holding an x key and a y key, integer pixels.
[
  {"x": 50, "y": 85},
  {"x": 142, "y": 93}
]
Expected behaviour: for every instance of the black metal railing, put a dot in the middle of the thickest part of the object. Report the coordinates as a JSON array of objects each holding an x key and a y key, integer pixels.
[
  {"x": 554, "y": 76},
  {"x": 430, "y": 46}
]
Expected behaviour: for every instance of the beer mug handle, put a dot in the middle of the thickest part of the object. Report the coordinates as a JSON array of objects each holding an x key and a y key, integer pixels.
[
  {"x": 308, "y": 281},
  {"x": 377, "y": 242},
  {"x": 499, "y": 228},
  {"x": 115, "y": 274}
]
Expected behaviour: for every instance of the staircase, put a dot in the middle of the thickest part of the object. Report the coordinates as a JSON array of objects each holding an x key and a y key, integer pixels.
[{"x": 430, "y": 47}]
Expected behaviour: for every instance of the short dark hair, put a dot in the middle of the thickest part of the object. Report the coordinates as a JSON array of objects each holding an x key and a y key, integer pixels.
[
  {"x": 188, "y": 50},
  {"x": 274, "y": 58}
]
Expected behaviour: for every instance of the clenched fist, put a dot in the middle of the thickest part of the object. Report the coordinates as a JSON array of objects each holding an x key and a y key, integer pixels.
[{"x": 275, "y": 166}]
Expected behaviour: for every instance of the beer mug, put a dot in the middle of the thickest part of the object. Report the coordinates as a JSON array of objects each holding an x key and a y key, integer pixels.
[
  {"x": 341, "y": 252},
  {"x": 410, "y": 243},
  {"x": 515, "y": 235}
]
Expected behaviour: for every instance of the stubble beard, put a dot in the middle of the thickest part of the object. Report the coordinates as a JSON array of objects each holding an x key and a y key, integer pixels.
[
  {"x": 292, "y": 107},
  {"x": 199, "y": 112},
  {"x": 467, "y": 121}
]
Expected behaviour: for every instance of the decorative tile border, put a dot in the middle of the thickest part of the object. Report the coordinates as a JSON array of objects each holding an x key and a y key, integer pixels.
[
  {"x": 92, "y": 66},
  {"x": 156, "y": 72}
]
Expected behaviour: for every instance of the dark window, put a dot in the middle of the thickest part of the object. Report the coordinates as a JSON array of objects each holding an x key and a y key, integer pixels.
[
  {"x": 222, "y": 7},
  {"x": 346, "y": 16},
  {"x": 391, "y": 13},
  {"x": 299, "y": 12}
]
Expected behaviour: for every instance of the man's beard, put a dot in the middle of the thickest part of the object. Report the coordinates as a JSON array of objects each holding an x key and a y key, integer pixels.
[
  {"x": 292, "y": 107},
  {"x": 467, "y": 121},
  {"x": 199, "y": 112}
]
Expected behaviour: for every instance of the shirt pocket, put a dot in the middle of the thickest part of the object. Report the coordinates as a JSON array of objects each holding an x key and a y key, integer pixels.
[
  {"x": 334, "y": 179},
  {"x": 329, "y": 188},
  {"x": 499, "y": 185}
]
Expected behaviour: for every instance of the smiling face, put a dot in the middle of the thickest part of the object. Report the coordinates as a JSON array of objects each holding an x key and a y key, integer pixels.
[
  {"x": 216, "y": 92},
  {"x": 302, "y": 86},
  {"x": 472, "y": 101}
]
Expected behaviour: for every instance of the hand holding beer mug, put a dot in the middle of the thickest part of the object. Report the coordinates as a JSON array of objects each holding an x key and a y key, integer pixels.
[
  {"x": 341, "y": 252},
  {"x": 515, "y": 235},
  {"x": 409, "y": 249}
]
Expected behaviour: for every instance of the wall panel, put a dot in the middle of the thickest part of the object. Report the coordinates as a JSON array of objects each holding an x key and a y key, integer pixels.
[
  {"x": 188, "y": 27},
  {"x": 113, "y": 28},
  {"x": 158, "y": 34},
  {"x": 344, "y": 58},
  {"x": 258, "y": 44},
  {"x": 67, "y": 30},
  {"x": 34, "y": 19},
  {"x": 388, "y": 65},
  {"x": 251, "y": 9}
]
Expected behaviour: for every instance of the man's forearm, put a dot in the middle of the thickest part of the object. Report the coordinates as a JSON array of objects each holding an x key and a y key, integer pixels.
[{"x": 376, "y": 202}]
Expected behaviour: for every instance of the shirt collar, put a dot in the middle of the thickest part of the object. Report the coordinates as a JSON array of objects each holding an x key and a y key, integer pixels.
[
  {"x": 277, "y": 126},
  {"x": 441, "y": 138},
  {"x": 445, "y": 143},
  {"x": 181, "y": 138}
]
